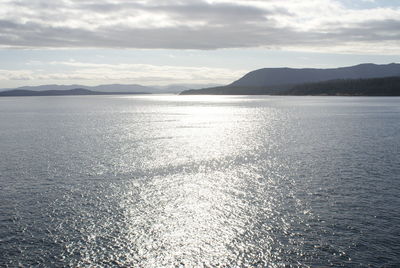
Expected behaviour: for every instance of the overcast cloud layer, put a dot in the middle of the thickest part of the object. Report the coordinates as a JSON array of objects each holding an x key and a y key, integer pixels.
[{"x": 317, "y": 25}]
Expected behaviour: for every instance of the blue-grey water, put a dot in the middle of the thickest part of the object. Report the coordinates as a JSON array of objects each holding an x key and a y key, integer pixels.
[{"x": 199, "y": 181}]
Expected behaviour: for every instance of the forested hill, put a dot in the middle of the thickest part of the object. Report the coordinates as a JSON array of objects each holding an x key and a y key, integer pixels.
[
  {"x": 386, "y": 86},
  {"x": 279, "y": 76}
]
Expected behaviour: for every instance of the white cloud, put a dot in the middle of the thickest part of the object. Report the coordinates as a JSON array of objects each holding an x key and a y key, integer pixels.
[
  {"x": 6, "y": 75},
  {"x": 125, "y": 73}
]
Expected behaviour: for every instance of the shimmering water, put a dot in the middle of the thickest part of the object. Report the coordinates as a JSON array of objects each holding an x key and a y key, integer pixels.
[{"x": 168, "y": 181}]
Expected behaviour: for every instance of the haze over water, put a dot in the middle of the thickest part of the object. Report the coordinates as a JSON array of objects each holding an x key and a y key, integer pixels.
[{"x": 199, "y": 181}]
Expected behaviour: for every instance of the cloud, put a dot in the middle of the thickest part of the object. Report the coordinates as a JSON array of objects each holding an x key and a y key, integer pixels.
[
  {"x": 16, "y": 75},
  {"x": 323, "y": 25},
  {"x": 128, "y": 73}
]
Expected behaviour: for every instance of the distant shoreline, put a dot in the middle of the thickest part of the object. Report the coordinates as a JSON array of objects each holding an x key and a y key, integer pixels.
[
  {"x": 70, "y": 92},
  {"x": 278, "y": 95}
]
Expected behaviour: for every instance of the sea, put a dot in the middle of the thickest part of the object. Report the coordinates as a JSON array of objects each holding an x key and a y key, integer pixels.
[{"x": 199, "y": 181}]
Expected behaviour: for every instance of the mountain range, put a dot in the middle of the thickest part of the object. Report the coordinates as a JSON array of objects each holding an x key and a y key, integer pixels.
[
  {"x": 118, "y": 88},
  {"x": 288, "y": 81},
  {"x": 66, "y": 92}
]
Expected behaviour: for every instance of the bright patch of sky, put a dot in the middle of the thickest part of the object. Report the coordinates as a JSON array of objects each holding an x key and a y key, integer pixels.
[{"x": 366, "y": 4}]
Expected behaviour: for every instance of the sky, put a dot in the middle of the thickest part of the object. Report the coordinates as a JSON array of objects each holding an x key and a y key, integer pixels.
[{"x": 160, "y": 42}]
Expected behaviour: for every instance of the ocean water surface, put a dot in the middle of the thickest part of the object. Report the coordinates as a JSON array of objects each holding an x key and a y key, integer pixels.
[{"x": 199, "y": 181}]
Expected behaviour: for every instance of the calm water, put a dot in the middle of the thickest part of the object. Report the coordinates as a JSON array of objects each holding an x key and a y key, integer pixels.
[{"x": 168, "y": 181}]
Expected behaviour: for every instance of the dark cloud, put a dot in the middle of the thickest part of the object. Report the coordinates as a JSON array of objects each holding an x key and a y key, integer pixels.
[{"x": 196, "y": 10}]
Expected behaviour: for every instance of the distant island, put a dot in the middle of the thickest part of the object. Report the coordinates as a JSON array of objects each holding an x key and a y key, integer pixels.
[
  {"x": 359, "y": 80},
  {"x": 117, "y": 88},
  {"x": 68, "y": 92},
  {"x": 387, "y": 86}
]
